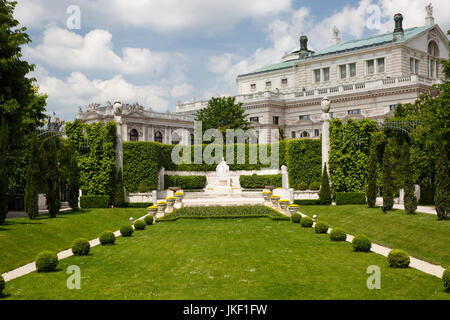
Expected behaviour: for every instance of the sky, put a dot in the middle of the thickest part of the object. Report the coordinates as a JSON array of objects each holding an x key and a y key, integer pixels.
[{"x": 159, "y": 52}]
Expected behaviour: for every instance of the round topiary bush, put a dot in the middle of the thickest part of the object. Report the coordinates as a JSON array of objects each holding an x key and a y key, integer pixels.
[
  {"x": 398, "y": 259},
  {"x": 148, "y": 220},
  {"x": 361, "y": 243},
  {"x": 81, "y": 247},
  {"x": 2, "y": 285},
  {"x": 46, "y": 261},
  {"x": 302, "y": 186},
  {"x": 139, "y": 225},
  {"x": 446, "y": 279},
  {"x": 338, "y": 234},
  {"x": 314, "y": 186},
  {"x": 107, "y": 238},
  {"x": 296, "y": 218},
  {"x": 321, "y": 227},
  {"x": 307, "y": 222},
  {"x": 126, "y": 231}
]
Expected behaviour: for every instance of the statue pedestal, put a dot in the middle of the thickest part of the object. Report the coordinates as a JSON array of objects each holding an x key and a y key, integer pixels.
[{"x": 221, "y": 183}]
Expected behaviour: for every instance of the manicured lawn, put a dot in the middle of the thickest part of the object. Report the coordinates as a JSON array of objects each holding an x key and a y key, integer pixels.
[
  {"x": 421, "y": 235},
  {"x": 22, "y": 239},
  {"x": 227, "y": 259}
]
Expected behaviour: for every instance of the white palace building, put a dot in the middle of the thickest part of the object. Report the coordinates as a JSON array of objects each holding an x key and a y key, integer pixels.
[{"x": 364, "y": 78}]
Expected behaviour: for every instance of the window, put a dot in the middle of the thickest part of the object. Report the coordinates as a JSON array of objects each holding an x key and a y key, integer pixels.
[
  {"x": 304, "y": 134},
  {"x": 175, "y": 138},
  {"x": 254, "y": 119},
  {"x": 433, "y": 64},
  {"x": 392, "y": 107},
  {"x": 370, "y": 67},
  {"x": 317, "y": 75},
  {"x": 158, "y": 137},
  {"x": 293, "y": 136},
  {"x": 380, "y": 65},
  {"x": 306, "y": 117},
  {"x": 284, "y": 82},
  {"x": 352, "y": 67},
  {"x": 134, "y": 135},
  {"x": 326, "y": 74},
  {"x": 275, "y": 120},
  {"x": 268, "y": 84},
  {"x": 355, "y": 111},
  {"x": 253, "y": 86},
  {"x": 414, "y": 65},
  {"x": 316, "y": 132},
  {"x": 343, "y": 71}
]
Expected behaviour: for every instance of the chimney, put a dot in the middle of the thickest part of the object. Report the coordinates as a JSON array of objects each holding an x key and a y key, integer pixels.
[
  {"x": 336, "y": 36},
  {"x": 398, "y": 31},
  {"x": 429, "y": 19}
]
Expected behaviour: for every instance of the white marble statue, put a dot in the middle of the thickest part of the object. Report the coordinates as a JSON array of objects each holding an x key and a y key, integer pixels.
[
  {"x": 223, "y": 170},
  {"x": 429, "y": 9}
]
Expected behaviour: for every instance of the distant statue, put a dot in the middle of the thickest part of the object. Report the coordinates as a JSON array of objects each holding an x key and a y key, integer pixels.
[
  {"x": 223, "y": 170},
  {"x": 336, "y": 32},
  {"x": 117, "y": 108},
  {"x": 429, "y": 9}
]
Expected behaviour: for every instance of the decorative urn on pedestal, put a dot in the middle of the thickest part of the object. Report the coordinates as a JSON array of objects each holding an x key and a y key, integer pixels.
[
  {"x": 162, "y": 205},
  {"x": 283, "y": 204},
  {"x": 179, "y": 196},
  {"x": 293, "y": 208},
  {"x": 275, "y": 200},
  {"x": 267, "y": 195},
  {"x": 170, "y": 202},
  {"x": 152, "y": 210}
]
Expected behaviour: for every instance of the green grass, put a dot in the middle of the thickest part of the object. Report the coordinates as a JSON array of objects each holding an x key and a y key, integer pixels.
[
  {"x": 22, "y": 239},
  {"x": 421, "y": 235},
  {"x": 227, "y": 259}
]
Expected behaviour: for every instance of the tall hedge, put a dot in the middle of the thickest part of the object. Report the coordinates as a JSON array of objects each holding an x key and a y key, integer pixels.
[
  {"x": 34, "y": 175},
  {"x": 325, "y": 193},
  {"x": 388, "y": 188},
  {"x": 52, "y": 176},
  {"x": 441, "y": 198},
  {"x": 371, "y": 191},
  {"x": 185, "y": 182},
  {"x": 409, "y": 199},
  {"x": 260, "y": 181},
  {"x": 304, "y": 161},
  {"x": 4, "y": 177}
]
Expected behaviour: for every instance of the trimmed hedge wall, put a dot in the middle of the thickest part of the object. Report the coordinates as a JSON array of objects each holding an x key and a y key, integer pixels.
[
  {"x": 138, "y": 204},
  {"x": 256, "y": 181},
  {"x": 304, "y": 161},
  {"x": 350, "y": 198},
  {"x": 185, "y": 182},
  {"x": 91, "y": 202},
  {"x": 307, "y": 202}
]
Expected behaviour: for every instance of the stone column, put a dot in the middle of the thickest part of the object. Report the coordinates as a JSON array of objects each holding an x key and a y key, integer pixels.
[
  {"x": 284, "y": 174},
  {"x": 325, "y": 131},
  {"x": 119, "y": 146}
]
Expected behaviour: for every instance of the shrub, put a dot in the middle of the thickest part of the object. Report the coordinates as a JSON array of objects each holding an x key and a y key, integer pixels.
[
  {"x": 139, "y": 225},
  {"x": 107, "y": 238},
  {"x": 126, "y": 231},
  {"x": 143, "y": 188},
  {"x": 46, "y": 261},
  {"x": 350, "y": 198},
  {"x": 303, "y": 160},
  {"x": 445, "y": 279},
  {"x": 119, "y": 197},
  {"x": 308, "y": 202},
  {"x": 185, "y": 182},
  {"x": 296, "y": 218},
  {"x": 306, "y": 222},
  {"x": 321, "y": 227},
  {"x": 81, "y": 247},
  {"x": 91, "y": 202},
  {"x": 138, "y": 204},
  {"x": 361, "y": 243},
  {"x": 302, "y": 186},
  {"x": 315, "y": 186},
  {"x": 325, "y": 192},
  {"x": 2, "y": 285},
  {"x": 255, "y": 181},
  {"x": 148, "y": 220},
  {"x": 338, "y": 234},
  {"x": 398, "y": 259}
]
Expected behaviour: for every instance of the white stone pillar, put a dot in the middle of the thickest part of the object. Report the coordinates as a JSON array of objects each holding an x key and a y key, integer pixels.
[
  {"x": 325, "y": 131},
  {"x": 284, "y": 175},
  {"x": 119, "y": 145}
]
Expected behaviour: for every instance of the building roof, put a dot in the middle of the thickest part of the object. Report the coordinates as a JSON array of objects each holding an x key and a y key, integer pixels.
[{"x": 353, "y": 45}]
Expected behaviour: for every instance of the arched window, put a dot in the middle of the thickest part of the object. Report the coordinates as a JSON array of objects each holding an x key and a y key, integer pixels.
[
  {"x": 158, "y": 137},
  {"x": 304, "y": 134},
  {"x": 175, "y": 138},
  {"x": 433, "y": 60},
  {"x": 134, "y": 135}
]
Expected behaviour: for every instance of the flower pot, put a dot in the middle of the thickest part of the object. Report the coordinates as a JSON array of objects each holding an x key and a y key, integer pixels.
[
  {"x": 152, "y": 211},
  {"x": 293, "y": 210},
  {"x": 284, "y": 204},
  {"x": 275, "y": 201},
  {"x": 267, "y": 196},
  {"x": 162, "y": 207}
]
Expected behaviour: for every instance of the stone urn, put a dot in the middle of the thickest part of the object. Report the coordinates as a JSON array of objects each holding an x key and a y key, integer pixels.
[
  {"x": 267, "y": 195},
  {"x": 152, "y": 210},
  {"x": 179, "y": 197},
  {"x": 275, "y": 200},
  {"x": 293, "y": 209},
  {"x": 162, "y": 205},
  {"x": 283, "y": 204},
  {"x": 170, "y": 202},
  {"x": 270, "y": 188}
]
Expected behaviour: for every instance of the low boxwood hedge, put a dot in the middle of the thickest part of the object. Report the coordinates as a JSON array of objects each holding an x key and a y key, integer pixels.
[
  {"x": 139, "y": 225},
  {"x": 258, "y": 182},
  {"x": 185, "y": 182},
  {"x": 46, "y": 261},
  {"x": 308, "y": 202},
  {"x": 138, "y": 204},
  {"x": 398, "y": 259},
  {"x": 93, "y": 202},
  {"x": 350, "y": 198},
  {"x": 307, "y": 222},
  {"x": 81, "y": 247},
  {"x": 321, "y": 227},
  {"x": 149, "y": 220},
  {"x": 107, "y": 238},
  {"x": 126, "y": 231},
  {"x": 338, "y": 234},
  {"x": 296, "y": 218},
  {"x": 2, "y": 285},
  {"x": 446, "y": 279},
  {"x": 361, "y": 243}
]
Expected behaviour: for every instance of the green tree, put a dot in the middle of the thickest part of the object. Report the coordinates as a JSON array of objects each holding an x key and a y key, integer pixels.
[
  {"x": 223, "y": 113},
  {"x": 119, "y": 199},
  {"x": 371, "y": 191},
  {"x": 52, "y": 177},
  {"x": 325, "y": 193},
  {"x": 409, "y": 199},
  {"x": 442, "y": 201},
  {"x": 388, "y": 192},
  {"x": 73, "y": 178},
  {"x": 3, "y": 171},
  {"x": 33, "y": 180}
]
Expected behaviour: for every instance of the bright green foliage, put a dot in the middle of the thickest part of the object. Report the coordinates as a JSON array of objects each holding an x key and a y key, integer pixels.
[
  {"x": 350, "y": 198},
  {"x": 371, "y": 191},
  {"x": 4, "y": 177},
  {"x": 141, "y": 162},
  {"x": 296, "y": 218},
  {"x": 46, "y": 261},
  {"x": 149, "y": 220},
  {"x": 410, "y": 199},
  {"x": 260, "y": 181},
  {"x": 97, "y": 163},
  {"x": 107, "y": 238},
  {"x": 52, "y": 176},
  {"x": 143, "y": 188},
  {"x": 388, "y": 192},
  {"x": 361, "y": 243},
  {"x": 34, "y": 174},
  {"x": 442, "y": 198},
  {"x": 307, "y": 222},
  {"x": 321, "y": 227},
  {"x": 222, "y": 114},
  {"x": 72, "y": 177},
  {"x": 314, "y": 186},
  {"x": 349, "y": 154},
  {"x": 338, "y": 234},
  {"x": 81, "y": 247},
  {"x": 302, "y": 186},
  {"x": 398, "y": 259},
  {"x": 308, "y": 202},
  {"x": 446, "y": 64},
  {"x": 87, "y": 202},
  {"x": 119, "y": 196},
  {"x": 325, "y": 193},
  {"x": 2, "y": 285},
  {"x": 185, "y": 182},
  {"x": 126, "y": 231},
  {"x": 304, "y": 161},
  {"x": 445, "y": 279},
  {"x": 139, "y": 225}
]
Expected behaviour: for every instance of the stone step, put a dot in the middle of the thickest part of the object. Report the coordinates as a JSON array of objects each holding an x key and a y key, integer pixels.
[{"x": 221, "y": 202}]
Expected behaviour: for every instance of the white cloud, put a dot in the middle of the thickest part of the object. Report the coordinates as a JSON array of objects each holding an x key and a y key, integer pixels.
[
  {"x": 181, "y": 90},
  {"x": 64, "y": 49}
]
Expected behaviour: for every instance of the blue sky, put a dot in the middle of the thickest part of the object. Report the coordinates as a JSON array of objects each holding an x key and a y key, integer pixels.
[{"x": 157, "y": 52}]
